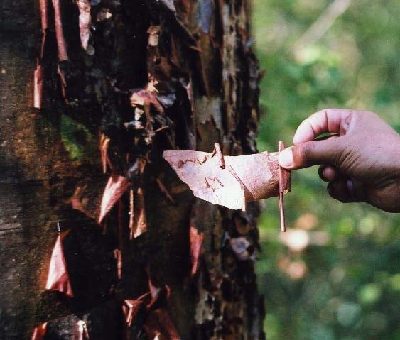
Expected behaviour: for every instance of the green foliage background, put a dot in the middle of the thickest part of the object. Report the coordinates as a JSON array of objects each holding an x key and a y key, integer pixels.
[{"x": 348, "y": 286}]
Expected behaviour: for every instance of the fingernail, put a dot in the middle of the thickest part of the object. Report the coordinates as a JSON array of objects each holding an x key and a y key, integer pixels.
[{"x": 286, "y": 158}]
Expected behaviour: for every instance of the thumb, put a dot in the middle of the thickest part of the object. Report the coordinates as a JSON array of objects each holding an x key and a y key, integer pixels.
[{"x": 310, "y": 153}]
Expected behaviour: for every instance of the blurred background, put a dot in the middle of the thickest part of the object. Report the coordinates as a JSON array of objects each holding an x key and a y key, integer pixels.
[{"x": 336, "y": 273}]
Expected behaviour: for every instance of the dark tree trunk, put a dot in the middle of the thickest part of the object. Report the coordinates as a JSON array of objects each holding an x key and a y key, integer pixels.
[{"x": 146, "y": 76}]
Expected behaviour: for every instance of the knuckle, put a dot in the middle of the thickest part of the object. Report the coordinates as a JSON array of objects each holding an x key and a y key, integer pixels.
[
  {"x": 302, "y": 155},
  {"x": 307, "y": 153}
]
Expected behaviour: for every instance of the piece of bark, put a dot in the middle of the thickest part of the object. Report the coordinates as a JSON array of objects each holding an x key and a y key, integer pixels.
[
  {"x": 38, "y": 73},
  {"x": 38, "y": 87},
  {"x": 231, "y": 181},
  {"x": 58, "y": 278},
  {"x": 85, "y": 21},
  {"x": 39, "y": 332},
  {"x": 44, "y": 21},
  {"x": 115, "y": 188},
  {"x": 131, "y": 307},
  {"x": 59, "y": 30},
  {"x": 137, "y": 219},
  {"x": 196, "y": 240},
  {"x": 103, "y": 147}
]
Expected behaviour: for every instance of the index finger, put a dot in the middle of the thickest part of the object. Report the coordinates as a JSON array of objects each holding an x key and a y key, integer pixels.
[{"x": 329, "y": 120}]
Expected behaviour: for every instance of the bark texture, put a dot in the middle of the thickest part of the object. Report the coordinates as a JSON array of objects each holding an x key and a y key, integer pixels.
[{"x": 133, "y": 78}]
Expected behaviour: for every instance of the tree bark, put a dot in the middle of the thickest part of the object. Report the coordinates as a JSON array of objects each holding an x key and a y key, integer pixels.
[{"x": 141, "y": 77}]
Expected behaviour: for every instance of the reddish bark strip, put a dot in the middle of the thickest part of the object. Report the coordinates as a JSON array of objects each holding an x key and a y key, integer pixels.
[
  {"x": 58, "y": 278},
  {"x": 103, "y": 146},
  {"x": 43, "y": 5},
  {"x": 130, "y": 308},
  {"x": 44, "y": 21},
  {"x": 115, "y": 188},
  {"x": 38, "y": 87},
  {"x": 196, "y": 240},
  {"x": 38, "y": 73},
  {"x": 137, "y": 222},
  {"x": 62, "y": 48},
  {"x": 85, "y": 21},
  {"x": 39, "y": 332}
]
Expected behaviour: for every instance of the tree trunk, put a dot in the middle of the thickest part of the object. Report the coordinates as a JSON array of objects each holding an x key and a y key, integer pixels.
[{"x": 134, "y": 78}]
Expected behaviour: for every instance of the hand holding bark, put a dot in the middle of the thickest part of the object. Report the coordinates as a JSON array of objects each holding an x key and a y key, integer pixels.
[{"x": 361, "y": 161}]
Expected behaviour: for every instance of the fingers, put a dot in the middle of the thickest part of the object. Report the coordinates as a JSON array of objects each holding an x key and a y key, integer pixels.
[
  {"x": 329, "y": 120},
  {"x": 347, "y": 190},
  {"x": 328, "y": 173},
  {"x": 311, "y": 153}
]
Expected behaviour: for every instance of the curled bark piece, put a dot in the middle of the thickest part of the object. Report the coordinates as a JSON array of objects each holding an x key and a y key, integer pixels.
[
  {"x": 196, "y": 240},
  {"x": 44, "y": 21},
  {"x": 131, "y": 308},
  {"x": 58, "y": 25},
  {"x": 43, "y": 4},
  {"x": 39, "y": 332},
  {"x": 137, "y": 220},
  {"x": 244, "y": 178},
  {"x": 85, "y": 21},
  {"x": 115, "y": 188},
  {"x": 58, "y": 278},
  {"x": 38, "y": 87},
  {"x": 105, "y": 160}
]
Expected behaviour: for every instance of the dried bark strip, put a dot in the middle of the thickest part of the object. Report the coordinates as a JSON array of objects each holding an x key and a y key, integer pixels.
[
  {"x": 115, "y": 188},
  {"x": 58, "y": 277},
  {"x": 241, "y": 178}
]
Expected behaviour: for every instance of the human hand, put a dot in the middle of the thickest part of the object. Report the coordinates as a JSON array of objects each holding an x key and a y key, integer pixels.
[{"x": 361, "y": 163}]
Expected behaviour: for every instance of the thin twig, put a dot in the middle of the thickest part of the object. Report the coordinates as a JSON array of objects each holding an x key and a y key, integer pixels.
[{"x": 281, "y": 192}]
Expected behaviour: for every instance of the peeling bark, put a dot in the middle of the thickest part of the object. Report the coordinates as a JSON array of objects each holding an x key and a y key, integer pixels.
[{"x": 226, "y": 180}]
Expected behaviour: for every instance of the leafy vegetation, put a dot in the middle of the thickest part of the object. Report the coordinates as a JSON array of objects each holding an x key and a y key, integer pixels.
[{"x": 336, "y": 274}]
